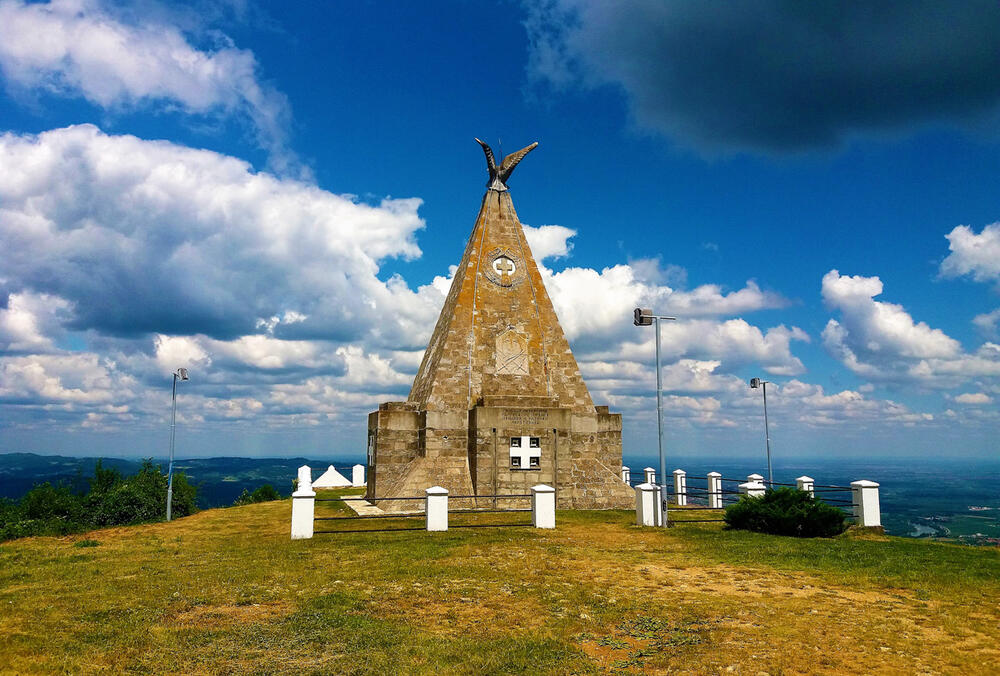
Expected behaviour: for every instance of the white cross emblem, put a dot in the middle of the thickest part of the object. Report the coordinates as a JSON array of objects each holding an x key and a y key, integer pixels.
[{"x": 523, "y": 450}]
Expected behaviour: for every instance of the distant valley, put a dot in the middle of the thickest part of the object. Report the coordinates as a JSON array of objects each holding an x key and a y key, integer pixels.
[{"x": 219, "y": 480}]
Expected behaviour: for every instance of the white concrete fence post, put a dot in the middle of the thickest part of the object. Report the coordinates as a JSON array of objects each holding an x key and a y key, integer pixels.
[
  {"x": 647, "y": 505},
  {"x": 626, "y": 474},
  {"x": 680, "y": 487},
  {"x": 806, "y": 483},
  {"x": 753, "y": 489},
  {"x": 543, "y": 506},
  {"x": 714, "y": 490},
  {"x": 358, "y": 475},
  {"x": 864, "y": 494},
  {"x": 436, "y": 508},
  {"x": 755, "y": 478},
  {"x": 303, "y": 506},
  {"x": 650, "y": 475}
]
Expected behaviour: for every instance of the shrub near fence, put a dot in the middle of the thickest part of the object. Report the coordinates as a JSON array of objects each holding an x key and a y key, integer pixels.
[
  {"x": 859, "y": 501},
  {"x": 786, "y": 511}
]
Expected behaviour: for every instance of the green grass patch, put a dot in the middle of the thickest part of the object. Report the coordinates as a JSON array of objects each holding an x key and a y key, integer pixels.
[
  {"x": 888, "y": 561},
  {"x": 227, "y": 591}
]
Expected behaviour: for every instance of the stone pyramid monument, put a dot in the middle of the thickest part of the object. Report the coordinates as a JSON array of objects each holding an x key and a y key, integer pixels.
[{"x": 498, "y": 404}]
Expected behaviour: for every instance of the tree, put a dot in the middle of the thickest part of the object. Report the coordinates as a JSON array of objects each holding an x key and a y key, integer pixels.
[
  {"x": 113, "y": 500},
  {"x": 265, "y": 493}
]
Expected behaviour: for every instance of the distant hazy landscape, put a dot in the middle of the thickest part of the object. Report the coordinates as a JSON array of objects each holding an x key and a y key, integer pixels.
[
  {"x": 954, "y": 499},
  {"x": 219, "y": 480}
]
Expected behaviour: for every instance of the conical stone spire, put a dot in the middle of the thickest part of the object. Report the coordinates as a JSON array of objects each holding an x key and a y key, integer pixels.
[
  {"x": 498, "y": 334},
  {"x": 498, "y": 403}
]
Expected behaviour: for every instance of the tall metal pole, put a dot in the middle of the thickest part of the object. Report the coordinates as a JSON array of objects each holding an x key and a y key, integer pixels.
[
  {"x": 645, "y": 317},
  {"x": 170, "y": 466},
  {"x": 767, "y": 438},
  {"x": 659, "y": 427}
]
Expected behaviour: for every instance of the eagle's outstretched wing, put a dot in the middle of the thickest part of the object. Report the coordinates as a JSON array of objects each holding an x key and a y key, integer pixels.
[
  {"x": 509, "y": 162},
  {"x": 491, "y": 164}
]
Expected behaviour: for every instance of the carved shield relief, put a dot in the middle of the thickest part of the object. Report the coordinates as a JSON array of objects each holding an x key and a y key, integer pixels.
[{"x": 511, "y": 354}]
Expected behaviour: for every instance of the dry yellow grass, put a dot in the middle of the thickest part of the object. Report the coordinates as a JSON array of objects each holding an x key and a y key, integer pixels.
[{"x": 227, "y": 591}]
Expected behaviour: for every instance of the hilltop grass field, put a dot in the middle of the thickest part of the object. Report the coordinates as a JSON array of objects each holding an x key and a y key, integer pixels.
[{"x": 226, "y": 591}]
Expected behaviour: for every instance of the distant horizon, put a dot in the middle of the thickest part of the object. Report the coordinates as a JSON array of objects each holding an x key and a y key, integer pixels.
[{"x": 629, "y": 460}]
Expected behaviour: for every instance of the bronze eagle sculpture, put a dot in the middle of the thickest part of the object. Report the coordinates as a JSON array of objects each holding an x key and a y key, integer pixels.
[{"x": 499, "y": 177}]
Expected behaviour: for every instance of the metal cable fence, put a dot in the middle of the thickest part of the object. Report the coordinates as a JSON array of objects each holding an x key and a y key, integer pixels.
[
  {"x": 697, "y": 492},
  {"x": 420, "y": 513}
]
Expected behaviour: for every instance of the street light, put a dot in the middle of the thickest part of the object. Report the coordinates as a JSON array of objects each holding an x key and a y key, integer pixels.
[
  {"x": 754, "y": 384},
  {"x": 183, "y": 375},
  {"x": 645, "y": 317}
]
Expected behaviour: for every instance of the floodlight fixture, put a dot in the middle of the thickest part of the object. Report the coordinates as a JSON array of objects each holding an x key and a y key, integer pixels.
[{"x": 642, "y": 317}]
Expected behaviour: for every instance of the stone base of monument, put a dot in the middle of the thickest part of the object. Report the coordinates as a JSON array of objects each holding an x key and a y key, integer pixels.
[{"x": 503, "y": 449}]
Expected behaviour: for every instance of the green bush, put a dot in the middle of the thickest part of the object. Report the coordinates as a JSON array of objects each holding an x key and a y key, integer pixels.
[
  {"x": 46, "y": 502},
  {"x": 265, "y": 493},
  {"x": 113, "y": 500},
  {"x": 786, "y": 511},
  {"x": 44, "y": 510}
]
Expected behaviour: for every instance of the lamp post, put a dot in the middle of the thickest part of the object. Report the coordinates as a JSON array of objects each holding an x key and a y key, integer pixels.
[
  {"x": 754, "y": 384},
  {"x": 645, "y": 317},
  {"x": 183, "y": 375}
]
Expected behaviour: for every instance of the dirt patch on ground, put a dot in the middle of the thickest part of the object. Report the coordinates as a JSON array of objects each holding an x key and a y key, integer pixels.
[
  {"x": 732, "y": 581},
  {"x": 485, "y": 613},
  {"x": 219, "y": 617}
]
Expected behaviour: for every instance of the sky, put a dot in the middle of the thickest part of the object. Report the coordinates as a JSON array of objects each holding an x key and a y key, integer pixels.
[{"x": 273, "y": 195}]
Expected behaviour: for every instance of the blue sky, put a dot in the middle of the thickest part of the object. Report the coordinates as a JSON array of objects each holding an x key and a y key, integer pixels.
[{"x": 271, "y": 195}]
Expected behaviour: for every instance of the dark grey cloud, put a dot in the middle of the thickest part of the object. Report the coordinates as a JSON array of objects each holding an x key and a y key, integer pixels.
[{"x": 776, "y": 75}]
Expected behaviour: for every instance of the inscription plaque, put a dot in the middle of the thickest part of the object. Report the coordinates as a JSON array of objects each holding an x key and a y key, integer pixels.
[{"x": 525, "y": 417}]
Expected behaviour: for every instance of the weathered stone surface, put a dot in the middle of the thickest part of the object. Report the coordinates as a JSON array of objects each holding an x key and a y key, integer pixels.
[{"x": 498, "y": 367}]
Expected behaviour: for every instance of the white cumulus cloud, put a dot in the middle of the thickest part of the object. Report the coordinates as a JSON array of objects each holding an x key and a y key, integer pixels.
[
  {"x": 80, "y": 48},
  {"x": 881, "y": 341},
  {"x": 975, "y": 398},
  {"x": 62, "y": 378},
  {"x": 125, "y": 259},
  {"x": 977, "y": 256},
  {"x": 549, "y": 241},
  {"x": 987, "y": 323},
  {"x": 30, "y": 320},
  {"x": 143, "y": 236}
]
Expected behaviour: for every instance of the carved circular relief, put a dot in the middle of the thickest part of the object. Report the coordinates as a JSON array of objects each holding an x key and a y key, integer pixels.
[{"x": 503, "y": 267}]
